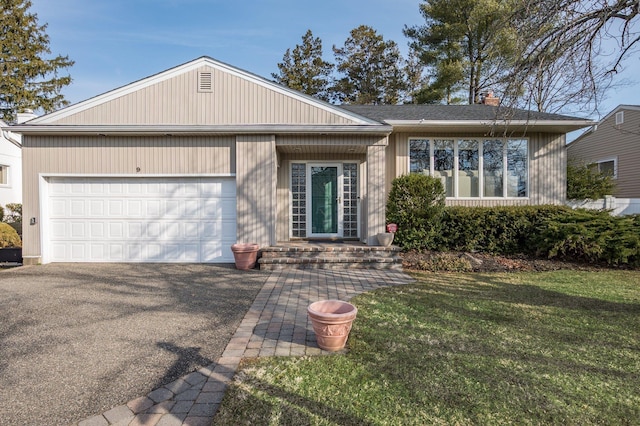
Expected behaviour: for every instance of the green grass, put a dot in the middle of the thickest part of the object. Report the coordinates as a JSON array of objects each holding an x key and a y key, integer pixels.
[{"x": 490, "y": 349}]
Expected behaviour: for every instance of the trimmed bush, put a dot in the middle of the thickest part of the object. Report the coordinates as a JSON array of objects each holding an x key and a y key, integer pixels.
[
  {"x": 416, "y": 204},
  {"x": 555, "y": 232},
  {"x": 591, "y": 236},
  {"x": 8, "y": 236},
  {"x": 497, "y": 230}
]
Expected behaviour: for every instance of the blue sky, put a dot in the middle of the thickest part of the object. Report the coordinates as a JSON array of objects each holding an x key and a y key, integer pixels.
[{"x": 116, "y": 42}]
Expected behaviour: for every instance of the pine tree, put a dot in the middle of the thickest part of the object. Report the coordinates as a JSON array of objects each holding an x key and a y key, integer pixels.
[
  {"x": 463, "y": 43},
  {"x": 28, "y": 80},
  {"x": 371, "y": 69},
  {"x": 303, "y": 69}
]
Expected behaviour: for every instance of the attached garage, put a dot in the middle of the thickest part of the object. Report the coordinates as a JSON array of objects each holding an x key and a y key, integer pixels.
[{"x": 139, "y": 219}]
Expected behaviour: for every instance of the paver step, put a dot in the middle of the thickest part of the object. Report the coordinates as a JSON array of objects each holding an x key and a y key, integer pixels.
[
  {"x": 330, "y": 252},
  {"x": 280, "y": 263}
]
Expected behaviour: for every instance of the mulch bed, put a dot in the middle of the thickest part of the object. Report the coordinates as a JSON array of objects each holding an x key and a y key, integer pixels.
[{"x": 482, "y": 262}]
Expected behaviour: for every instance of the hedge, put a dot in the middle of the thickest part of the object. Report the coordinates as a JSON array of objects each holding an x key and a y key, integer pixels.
[{"x": 555, "y": 232}]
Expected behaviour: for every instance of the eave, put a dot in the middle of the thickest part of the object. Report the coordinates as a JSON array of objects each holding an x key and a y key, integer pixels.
[
  {"x": 489, "y": 127},
  {"x": 197, "y": 130}
]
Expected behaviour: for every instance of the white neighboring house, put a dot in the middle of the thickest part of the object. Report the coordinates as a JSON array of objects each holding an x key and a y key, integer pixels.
[{"x": 11, "y": 162}]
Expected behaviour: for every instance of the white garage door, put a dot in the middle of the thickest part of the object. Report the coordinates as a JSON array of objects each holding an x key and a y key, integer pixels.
[{"x": 140, "y": 220}]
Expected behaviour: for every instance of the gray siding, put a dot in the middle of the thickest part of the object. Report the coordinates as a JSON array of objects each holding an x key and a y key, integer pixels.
[
  {"x": 376, "y": 193},
  {"x": 256, "y": 164},
  {"x": 621, "y": 142},
  {"x": 547, "y": 168},
  {"x": 115, "y": 156},
  {"x": 234, "y": 100}
]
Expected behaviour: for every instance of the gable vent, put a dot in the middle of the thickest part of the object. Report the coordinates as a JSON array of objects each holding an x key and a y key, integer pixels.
[{"x": 205, "y": 82}]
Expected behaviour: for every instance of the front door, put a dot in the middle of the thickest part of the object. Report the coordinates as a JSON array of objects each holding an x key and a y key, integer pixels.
[
  {"x": 325, "y": 195},
  {"x": 324, "y": 200}
]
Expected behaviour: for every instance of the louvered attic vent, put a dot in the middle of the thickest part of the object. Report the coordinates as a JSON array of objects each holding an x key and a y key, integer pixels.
[{"x": 205, "y": 82}]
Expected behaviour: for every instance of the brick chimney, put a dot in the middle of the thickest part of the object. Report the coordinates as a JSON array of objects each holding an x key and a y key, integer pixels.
[{"x": 487, "y": 98}]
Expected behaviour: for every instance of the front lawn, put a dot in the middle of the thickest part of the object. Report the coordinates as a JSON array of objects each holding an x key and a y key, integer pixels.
[{"x": 522, "y": 348}]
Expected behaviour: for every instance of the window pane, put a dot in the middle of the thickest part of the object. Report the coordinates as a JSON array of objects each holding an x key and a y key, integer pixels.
[
  {"x": 298, "y": 192},
  {"x": 443, "y": 163},
  {"x": 517, "y": 160},
  {"x": 468, "y": 174},
  {"x": 419, "y": 156},
  {"x": 4, "y": 175},
  {"x": 493, "y": 168},
  {"x": 607, "y": 168}
]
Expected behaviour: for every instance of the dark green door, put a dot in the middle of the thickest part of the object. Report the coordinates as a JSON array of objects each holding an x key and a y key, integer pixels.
[{"x": 325, "y": 200}]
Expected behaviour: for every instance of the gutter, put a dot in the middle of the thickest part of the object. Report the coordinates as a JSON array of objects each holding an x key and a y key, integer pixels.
[
  {"x": 8, "y": 136},
  {"x": 176, "y": 130},
  {"x": 572, "y": 124}
]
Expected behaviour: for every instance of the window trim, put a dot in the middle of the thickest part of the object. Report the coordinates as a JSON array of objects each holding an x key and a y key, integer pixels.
[
  {"x": 6, "y": 173},
  {"x": 619, "y": 118},
  {"x": 606, "y": 160},
  {"x": 456, "y": 162}
]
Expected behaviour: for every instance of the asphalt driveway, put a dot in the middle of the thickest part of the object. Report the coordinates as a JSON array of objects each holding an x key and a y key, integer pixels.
[{"x": 79, "y": 339}]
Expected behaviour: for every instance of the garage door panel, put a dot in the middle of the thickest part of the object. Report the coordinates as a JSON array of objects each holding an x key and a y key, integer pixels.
[
  {"x": 77, "y": 208},
  {"x": 219, "y": 208},
  {"x": 141, "y": 219},
  {"x": 78, "y": 230}
]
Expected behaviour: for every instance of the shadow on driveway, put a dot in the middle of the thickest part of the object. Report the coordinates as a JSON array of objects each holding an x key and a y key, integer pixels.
[{"x": 79, "y": 339}]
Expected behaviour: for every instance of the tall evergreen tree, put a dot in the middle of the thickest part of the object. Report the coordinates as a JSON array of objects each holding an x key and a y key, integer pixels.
[
  {"x": 371, "y": 69},
  {"x": 303, "y": 69},
  {"x": 463, "y": 43},
  {"x": 28, "y": 80}
]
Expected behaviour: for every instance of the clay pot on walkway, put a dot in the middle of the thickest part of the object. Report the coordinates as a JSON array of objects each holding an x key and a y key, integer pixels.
[
  {"x": 332, "y": 320},
  {"x": 245, "y": 255}
]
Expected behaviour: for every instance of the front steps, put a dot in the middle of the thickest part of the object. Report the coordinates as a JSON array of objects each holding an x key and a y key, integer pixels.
[{"x": 329, "y": 256}]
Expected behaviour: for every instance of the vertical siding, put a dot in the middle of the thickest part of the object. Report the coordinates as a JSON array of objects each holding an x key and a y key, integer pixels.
[
  {"x": 376, "y": 193},
  {"x": 256, "y": 189},
  {"x": 331, "y": 144},
  {"x": 283, "y": 194},
  {"x": 548, "y": 173},
  {"x": 547, "y": 168},
  {"x": 234, "y": 100},
  {"x": 621, "y": 142},
  {"x": 113, "y": 156}
]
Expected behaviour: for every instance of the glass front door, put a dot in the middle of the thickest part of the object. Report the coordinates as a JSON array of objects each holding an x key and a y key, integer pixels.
[{"x": 326, "y": 200}]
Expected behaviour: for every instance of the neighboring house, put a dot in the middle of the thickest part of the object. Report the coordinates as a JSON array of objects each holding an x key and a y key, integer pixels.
[
  {"x": 613, "y": 146},
  {"x": 178, "y": 166},
  {"x": 10, "y": 167}
]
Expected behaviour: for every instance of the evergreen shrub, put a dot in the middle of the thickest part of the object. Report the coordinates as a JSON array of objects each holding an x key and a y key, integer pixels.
[
  {"x": 416, "y": 204},
  {"x": 8, "y": 236}
]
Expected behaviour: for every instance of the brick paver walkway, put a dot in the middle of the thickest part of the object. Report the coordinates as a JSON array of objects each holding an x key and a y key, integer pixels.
[{"x": 276, "y": 325}]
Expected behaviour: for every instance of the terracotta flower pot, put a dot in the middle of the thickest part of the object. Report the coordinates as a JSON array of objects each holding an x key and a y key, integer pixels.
[
  {"x": 245, "y": 255},
  {"x": 332, "y": 320}
]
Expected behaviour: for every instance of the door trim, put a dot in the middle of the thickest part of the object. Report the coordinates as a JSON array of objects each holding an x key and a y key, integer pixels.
[
  {"x": 307, "y": 216},
  {"x": 339, "y": 204}
]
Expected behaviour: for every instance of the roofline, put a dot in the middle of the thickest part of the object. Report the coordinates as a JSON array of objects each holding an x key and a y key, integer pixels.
[
  {"x": 182, "y": 130},
  {"x": 618, "y": 108},
  {"x": 594, "y": 126},
  {"x": 188, "y": 66},
  {"x": 566, "y": 125}
]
